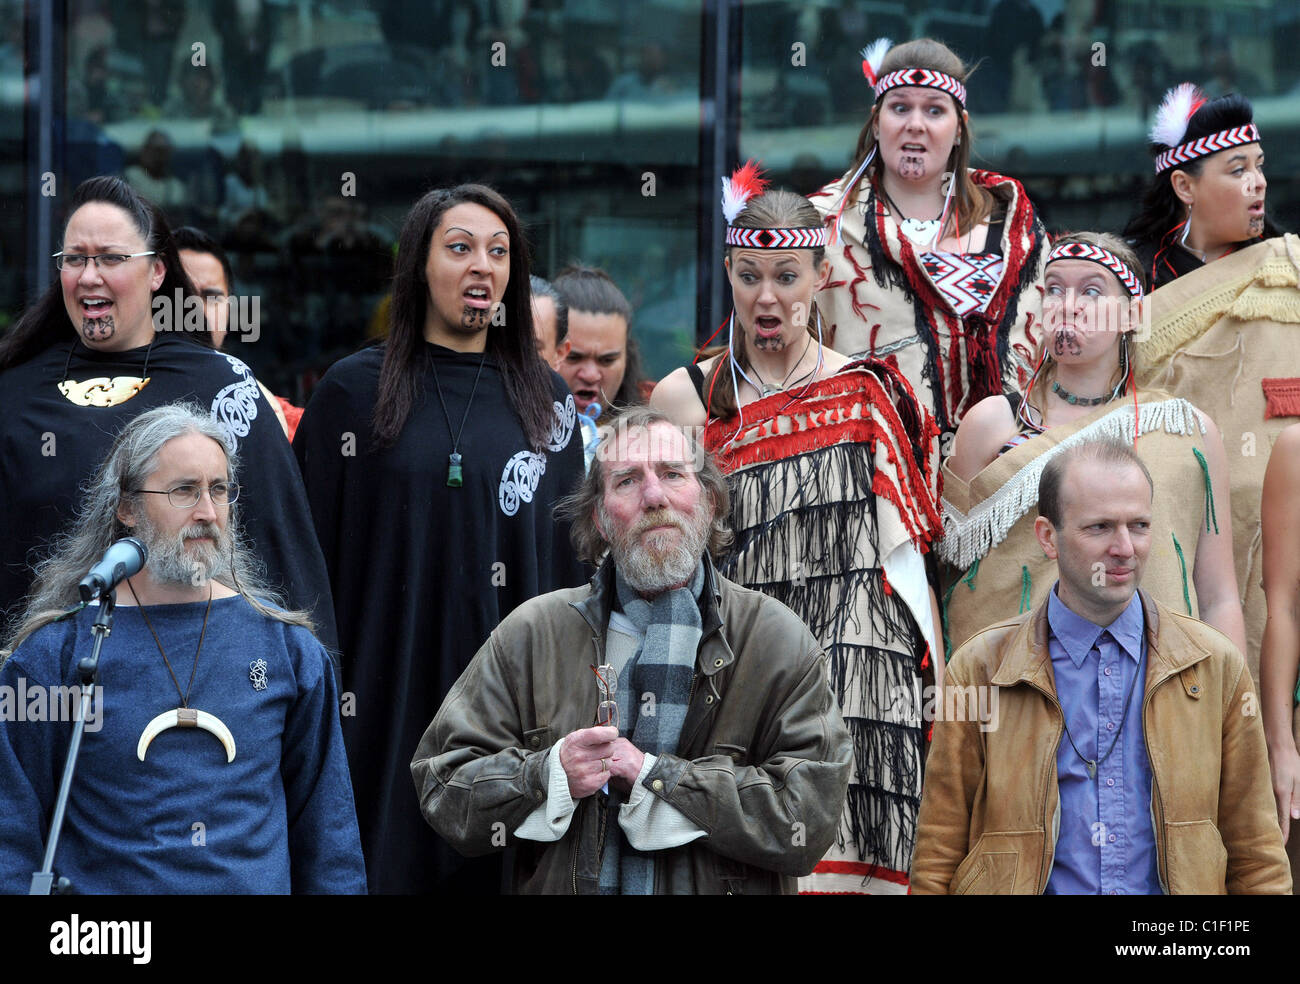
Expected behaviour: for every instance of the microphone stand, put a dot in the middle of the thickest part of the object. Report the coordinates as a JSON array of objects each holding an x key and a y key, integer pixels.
[{"x": 88, "y": 672}]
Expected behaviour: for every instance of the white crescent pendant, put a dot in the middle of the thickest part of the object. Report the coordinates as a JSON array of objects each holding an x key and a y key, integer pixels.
[
  {"x": 921, "y": 233},
  {"x": 186, "y": 717}
]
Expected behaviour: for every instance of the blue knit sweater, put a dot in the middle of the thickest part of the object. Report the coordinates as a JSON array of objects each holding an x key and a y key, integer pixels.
[{"x": 279, "y": 818}]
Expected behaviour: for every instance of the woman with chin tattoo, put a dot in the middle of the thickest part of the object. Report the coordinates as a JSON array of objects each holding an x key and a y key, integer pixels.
[
  {"x": 832, "y": 468},
  {"x": 1224, "y": 316},
  {"x": 433, "y": 463},
  {"x": 1082, "y": 389},
  {"x": 120, "y": 330},
  {"x": 1207, "y": 199},
  {"x": 935, "y": 267}
]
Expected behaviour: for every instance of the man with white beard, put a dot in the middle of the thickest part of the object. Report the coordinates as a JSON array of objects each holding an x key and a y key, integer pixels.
[
  {"x": 217, "y": 772},
  {"x": 663, "y": 730}
]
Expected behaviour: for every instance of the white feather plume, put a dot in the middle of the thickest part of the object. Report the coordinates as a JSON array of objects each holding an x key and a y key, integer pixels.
[
  {"x": 874, "y": 54},
  {"x": 745, "y": 182},
  {"x": 1174, "y": 112},
  {"x": 733, "y": 200}
]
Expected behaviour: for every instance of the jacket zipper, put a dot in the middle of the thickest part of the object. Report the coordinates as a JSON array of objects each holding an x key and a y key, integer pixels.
[
  {"x": 600, "y": 840},
  {"x": 1158, "y": 825},
  {"x": 1044, "y": 871},
  {"x": 577, "y": 843}
]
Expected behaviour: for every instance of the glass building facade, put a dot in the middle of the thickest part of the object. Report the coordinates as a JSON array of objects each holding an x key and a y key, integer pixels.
[{"x": 299, "y": 132}]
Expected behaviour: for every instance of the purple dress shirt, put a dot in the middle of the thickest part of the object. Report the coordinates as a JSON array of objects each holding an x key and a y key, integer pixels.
[{"x": 1106, "y": 843}]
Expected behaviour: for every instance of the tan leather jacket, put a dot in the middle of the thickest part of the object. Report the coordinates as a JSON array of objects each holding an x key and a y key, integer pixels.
[
  {"x": 988, "y": 821},
  {"x": 762, "y": 765}
]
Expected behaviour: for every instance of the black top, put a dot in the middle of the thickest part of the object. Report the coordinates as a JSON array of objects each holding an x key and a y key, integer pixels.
[
  {"x": 1174, "y": 261},
  {"x": 697, "y": 380},
  {"x": 50, "y": 446},
  {"x": 422, "y": 573},
  {"x": 993, "y": 241}
]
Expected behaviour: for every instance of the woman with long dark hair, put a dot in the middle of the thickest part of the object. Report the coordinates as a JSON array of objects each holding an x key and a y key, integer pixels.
[
  {"x": 934, "y": 266},
  {"x": 1207, "y": 198},
  {"x": 119, "y": 332},
  {"x": 832, "y": 468},
  {"x": 432, "y": 464},
  {"x": 1223, "y": 305}
]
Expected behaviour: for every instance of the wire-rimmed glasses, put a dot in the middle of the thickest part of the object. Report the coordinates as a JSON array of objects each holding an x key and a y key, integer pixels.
[
  {"x": 104, "y": 261},
  {"x": 607, "y": 681},
  {"x": 188, "y": 496}
]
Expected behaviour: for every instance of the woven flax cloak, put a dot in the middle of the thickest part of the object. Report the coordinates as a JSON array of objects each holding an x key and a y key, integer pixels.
[
  {"x": 882, "y": 303},
  {"x": 998, "y": 570},
  {"x": 827, "y": 489}
]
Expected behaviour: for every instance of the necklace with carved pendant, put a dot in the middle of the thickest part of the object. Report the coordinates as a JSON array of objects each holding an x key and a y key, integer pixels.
[{"x": 920, "y": 231}]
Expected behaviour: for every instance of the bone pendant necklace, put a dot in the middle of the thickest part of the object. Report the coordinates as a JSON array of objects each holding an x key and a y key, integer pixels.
[{"x": 183, "y": 716}]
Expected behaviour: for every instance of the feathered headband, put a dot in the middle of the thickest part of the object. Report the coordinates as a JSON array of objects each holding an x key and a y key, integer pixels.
[
  {"x": 1097, "y": 254},
  {"x": 874, "y": 55},
  {"x": 746, "y": 182},
  {"x": 1176, "y": 111}
]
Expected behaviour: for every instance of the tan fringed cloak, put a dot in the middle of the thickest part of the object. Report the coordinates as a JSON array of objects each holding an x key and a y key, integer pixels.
[
  {"x": 1227, "y": 338},
  {"x": 1001, "y": 570}
]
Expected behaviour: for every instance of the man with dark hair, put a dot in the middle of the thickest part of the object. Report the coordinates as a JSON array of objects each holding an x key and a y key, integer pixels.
[
  {"x": 550, "y": 322},
  {"x": 662, "y": 730},
  {"x": 1102, "y": 744},
  {"x": 603, "y": 366},
  {"x": 237, "y": 783},
  {"x": 208, "y": 268}
]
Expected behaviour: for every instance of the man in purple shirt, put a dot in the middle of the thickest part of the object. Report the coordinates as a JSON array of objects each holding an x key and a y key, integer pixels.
[{"x": 1125, "y": 753}]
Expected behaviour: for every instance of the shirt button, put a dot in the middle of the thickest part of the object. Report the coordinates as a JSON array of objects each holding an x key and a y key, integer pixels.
[
  {"x": 657, "y": 785},
  {"x": 1110, "y": 725},
  {"x": 1107, "y": 671},
  {"x": 1111, "y": 838},
  {"x": 1110, "y": 782},
  {"x": 1116, "y": 891}
]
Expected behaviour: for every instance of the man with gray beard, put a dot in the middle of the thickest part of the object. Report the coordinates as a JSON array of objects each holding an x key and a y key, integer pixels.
[
  {"x": 219, "y": 764},
  {"x": 663, "y": 730}
]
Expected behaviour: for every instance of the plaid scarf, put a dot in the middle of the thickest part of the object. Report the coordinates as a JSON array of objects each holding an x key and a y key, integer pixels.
[{"x": 663, "y": 667}]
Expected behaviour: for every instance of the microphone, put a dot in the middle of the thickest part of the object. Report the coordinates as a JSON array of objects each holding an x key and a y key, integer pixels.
[{"x": 124, "y": 558}]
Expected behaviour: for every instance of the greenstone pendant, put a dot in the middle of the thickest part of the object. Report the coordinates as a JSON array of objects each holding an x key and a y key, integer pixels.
[{"x": 453, "y": 471}]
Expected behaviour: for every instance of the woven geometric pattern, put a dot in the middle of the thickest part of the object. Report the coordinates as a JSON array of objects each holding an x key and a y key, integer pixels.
[
  {"x": 1087, "y": 251},
  {"x": 777, "y": 238},
  {"x": 922, "y": 76},
  {"x": 966, "y": 280},
  {"x": 1202, "y": 146}
]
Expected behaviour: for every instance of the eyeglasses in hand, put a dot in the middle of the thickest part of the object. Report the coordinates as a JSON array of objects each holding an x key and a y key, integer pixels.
[{"x": 607, "y": 681}]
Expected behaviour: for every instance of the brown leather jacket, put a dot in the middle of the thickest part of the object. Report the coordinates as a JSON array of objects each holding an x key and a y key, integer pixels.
[
  {"x": 988, "y": 821},
  {"x": 762, "y": 765}
]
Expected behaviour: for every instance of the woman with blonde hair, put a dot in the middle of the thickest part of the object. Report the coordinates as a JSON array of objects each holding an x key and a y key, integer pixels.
[
  {"x": 1084, "y": 388},
  {"x": 832, "y": 466}
]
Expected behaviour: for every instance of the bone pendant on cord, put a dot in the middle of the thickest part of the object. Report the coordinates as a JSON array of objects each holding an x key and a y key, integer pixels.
[{"x": 186, "y": 717}]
